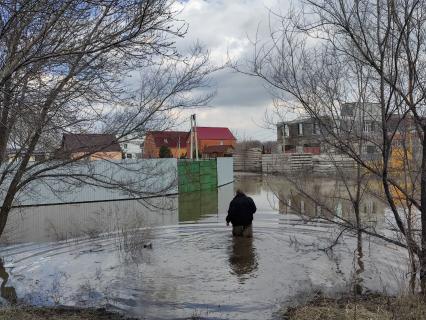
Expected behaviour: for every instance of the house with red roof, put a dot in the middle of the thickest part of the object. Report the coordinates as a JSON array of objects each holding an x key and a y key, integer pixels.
[
  {"x": 213, "y": 142},
  {"x": 174, "y": 140}
]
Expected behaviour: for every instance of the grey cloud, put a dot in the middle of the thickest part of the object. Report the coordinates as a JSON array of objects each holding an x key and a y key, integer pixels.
[
  {"x": 222, "y": 27},
  {"x": 235, "y": 89}
]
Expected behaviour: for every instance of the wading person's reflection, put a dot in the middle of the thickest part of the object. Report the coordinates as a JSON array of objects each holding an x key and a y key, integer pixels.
[{"x": 242, "y": 257}]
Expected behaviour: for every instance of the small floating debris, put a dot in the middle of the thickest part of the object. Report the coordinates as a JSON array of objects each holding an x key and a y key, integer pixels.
[{"x": 148, "y": 245}]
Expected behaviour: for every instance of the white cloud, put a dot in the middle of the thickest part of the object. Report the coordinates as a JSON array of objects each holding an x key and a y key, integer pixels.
[{"x": 224, "y": 28}]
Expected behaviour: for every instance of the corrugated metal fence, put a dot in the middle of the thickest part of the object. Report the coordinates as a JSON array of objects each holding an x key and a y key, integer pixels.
[{"x": 197, "y": 175}]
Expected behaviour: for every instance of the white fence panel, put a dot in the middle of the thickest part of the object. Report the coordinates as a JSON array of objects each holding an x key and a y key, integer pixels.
[
  {"x": 225, "y": 171},
  {"x": 127, "y": 179}
]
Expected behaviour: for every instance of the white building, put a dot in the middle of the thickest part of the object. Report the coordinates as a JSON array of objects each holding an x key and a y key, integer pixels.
[{"x": 132, "y": 149}]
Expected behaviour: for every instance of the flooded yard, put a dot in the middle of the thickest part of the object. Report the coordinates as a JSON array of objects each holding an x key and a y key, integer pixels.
[{"x": 175, "y": 258}]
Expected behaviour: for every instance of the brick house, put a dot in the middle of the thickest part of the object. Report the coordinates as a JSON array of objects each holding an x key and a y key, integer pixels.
[
  {"x": 213, "y": 142},
  {"x": 174, "y": 140},
  {"x": 218, "y": 151},
  {"x": 99, "y": 146}
]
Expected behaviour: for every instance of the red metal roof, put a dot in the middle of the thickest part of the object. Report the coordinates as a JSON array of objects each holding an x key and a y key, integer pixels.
[
  {"x": 214, "y": 133},
  {"x": 169, "y": 138}
]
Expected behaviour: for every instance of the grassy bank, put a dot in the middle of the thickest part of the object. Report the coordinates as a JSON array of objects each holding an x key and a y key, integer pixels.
[
  {"x": 361, "y": 308},
  {"x": 25, "y": 313}
]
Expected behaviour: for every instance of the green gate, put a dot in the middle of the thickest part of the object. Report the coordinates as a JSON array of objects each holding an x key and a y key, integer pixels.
[{"x": 197, "y": 175}]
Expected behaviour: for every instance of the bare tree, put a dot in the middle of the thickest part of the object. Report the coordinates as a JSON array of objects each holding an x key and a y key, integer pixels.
[
  {"x": 72, "y": 66},
  {"x": 370, "y": 52}
]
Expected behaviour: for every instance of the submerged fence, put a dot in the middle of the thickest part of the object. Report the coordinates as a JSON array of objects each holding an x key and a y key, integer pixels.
[
  {"x": 203, "y": 175},
  {"x": 102, "y": 180}
]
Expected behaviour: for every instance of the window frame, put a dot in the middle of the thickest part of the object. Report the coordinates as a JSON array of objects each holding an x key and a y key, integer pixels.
[{"x": 316, "y": 129}]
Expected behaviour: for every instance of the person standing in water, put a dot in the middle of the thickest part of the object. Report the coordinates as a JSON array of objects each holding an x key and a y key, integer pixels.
[{"x": 240, "y": 214}]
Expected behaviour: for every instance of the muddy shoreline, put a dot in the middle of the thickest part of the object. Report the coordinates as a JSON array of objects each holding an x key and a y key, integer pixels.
[
  {"x": 58, "y": 313},
  {"x": 364, "y": 307}
]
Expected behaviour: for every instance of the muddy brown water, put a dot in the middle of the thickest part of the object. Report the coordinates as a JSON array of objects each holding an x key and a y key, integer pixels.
[{"x": 175, "y": 258}]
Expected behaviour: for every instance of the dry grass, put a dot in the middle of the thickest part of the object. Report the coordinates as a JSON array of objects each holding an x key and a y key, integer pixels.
[
  {"x": 365, "y": 308},
  {"x": 15, "y": 313}
]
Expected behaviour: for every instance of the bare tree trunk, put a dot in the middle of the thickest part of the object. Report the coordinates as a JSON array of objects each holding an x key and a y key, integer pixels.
[
  {"x": 5, "y": 209},
  {"x": 358, "y": 286},
  {"x": 422, "y": 254},
  {"x": 5, "y": 110},
  {"x": 413, "y": 267},
  {"x": 14, "y": 185}
]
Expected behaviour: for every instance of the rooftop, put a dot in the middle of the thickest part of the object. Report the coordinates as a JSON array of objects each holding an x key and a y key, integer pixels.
[
  {"x": 170, "y": 139},
  {"x": 90, "y": 142},
  {"x": 214, "y": 133}
]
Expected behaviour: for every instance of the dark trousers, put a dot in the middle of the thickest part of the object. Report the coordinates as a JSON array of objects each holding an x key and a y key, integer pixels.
[{"x": 242, "y": 231}]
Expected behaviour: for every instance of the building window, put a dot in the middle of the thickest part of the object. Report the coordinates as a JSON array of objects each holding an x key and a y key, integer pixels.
[
  {"x": 286, "y": 130},
  {"x": 339, "y": 209},
  {"x": 371, "y": 149},
  {"x": 125, "y": 146},
  {"x": 129, "y": 156},
  {"x": 368, "y": 126},
  {"x": 318, "y": 210},
  {"x": 316, "y": 128},
  {"x": 300, "y": 129}
]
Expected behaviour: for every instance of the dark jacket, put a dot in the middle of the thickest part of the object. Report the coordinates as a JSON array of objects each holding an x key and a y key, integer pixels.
[{"x": 241, "y": 210}]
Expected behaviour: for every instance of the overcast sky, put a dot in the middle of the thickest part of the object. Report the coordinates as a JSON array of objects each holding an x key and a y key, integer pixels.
[{"x": 222, "y": 27}]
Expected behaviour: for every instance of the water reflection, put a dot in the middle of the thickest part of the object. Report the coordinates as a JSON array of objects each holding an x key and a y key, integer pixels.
[
  {"x": 196, "y": 265},
  {"x": 69, "y": 221},
  {"x": 251, "y": 184},
  {"x": 325, "y": 197},
  {"x": 257, "y": 187},
  {"x": 7, "y": 292},
  {"x": 242, "y": 258},
  {"x": 196, "y": 205},
  {"x": 64, "y": 222},
  {"x": 321, "y": 197}
]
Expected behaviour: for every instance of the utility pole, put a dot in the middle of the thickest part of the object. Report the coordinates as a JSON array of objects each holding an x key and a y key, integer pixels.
[
  {"x": 178, "y": 155},
  {"x": 283, "y": 133},
  {"x": 196, "y": 138},
  {"x": 191, "y": 139}
]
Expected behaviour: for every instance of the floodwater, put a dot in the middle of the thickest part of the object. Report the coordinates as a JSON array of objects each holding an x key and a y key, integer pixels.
[{"x": 175, "y": 258}]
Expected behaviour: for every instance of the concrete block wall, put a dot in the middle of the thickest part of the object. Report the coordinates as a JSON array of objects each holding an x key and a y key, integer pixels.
[{"x": 249, "y": 160}]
